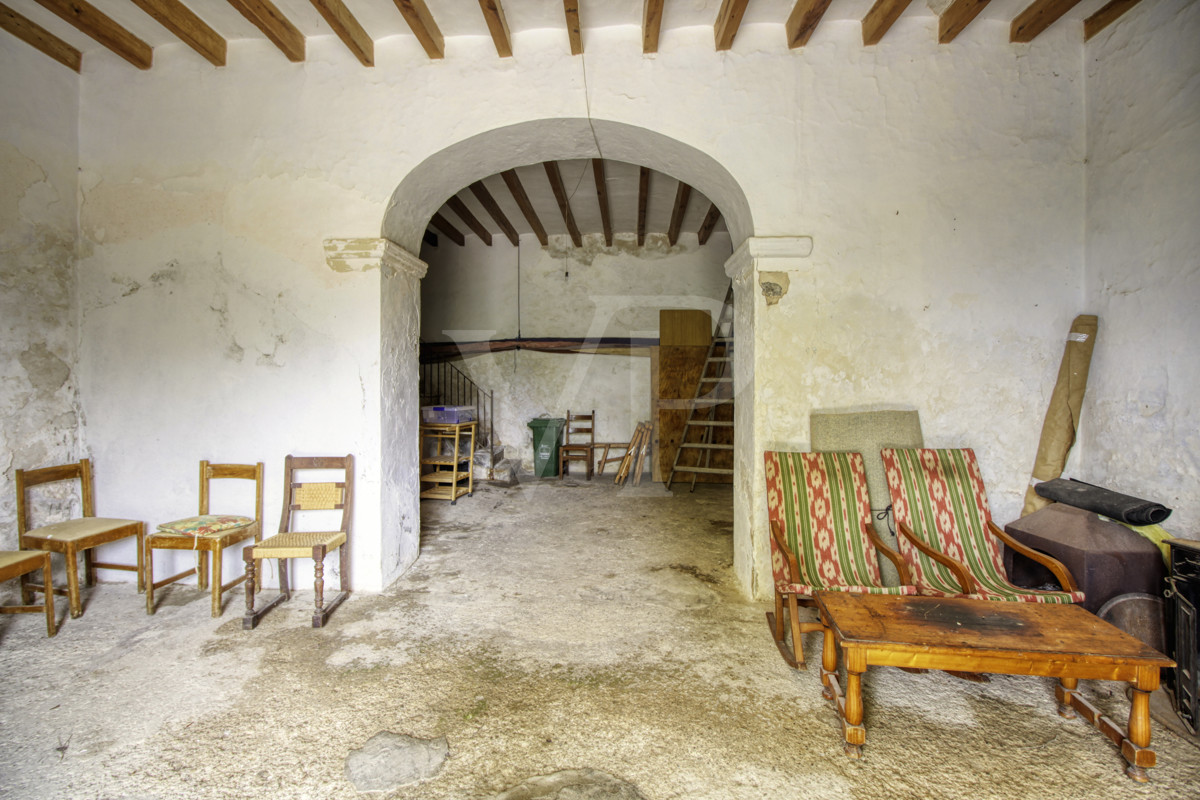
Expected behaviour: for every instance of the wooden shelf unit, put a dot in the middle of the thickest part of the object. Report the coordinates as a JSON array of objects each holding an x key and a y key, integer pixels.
[{"x": 450, "y": 473}]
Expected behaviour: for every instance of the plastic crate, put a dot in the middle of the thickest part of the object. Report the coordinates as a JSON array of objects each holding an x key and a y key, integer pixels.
[{"x": 447, "y": 415}]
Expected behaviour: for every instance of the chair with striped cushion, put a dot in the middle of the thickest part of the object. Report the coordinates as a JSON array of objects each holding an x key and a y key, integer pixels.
[
  {"x": 946, "y": 531},
  {"x": 821, "y": 538}
]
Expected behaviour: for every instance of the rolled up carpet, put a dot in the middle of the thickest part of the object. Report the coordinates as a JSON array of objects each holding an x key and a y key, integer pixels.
[{"x": 1121, "y": 507}]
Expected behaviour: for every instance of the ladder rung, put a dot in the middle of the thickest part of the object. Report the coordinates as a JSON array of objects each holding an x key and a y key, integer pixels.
[
  {"x": 715, "y": 423},
  {"x": 725, "y": 379},
  {"x": 719, "y": 358},
  {"x": 703, "y": 403},
  {"x": 703, "y": 446},
  {"x": 705, "y": 470}
]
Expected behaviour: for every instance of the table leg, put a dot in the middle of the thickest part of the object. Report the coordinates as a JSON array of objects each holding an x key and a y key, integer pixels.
[
  {"x": 828, "y": 662},
  {"x": 852, "y": 706},
  {"x": 1067, "y": 687},
  {"x": 1136, "y": 747}
]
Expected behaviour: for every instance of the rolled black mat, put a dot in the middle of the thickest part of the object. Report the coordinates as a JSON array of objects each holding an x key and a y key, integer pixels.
[{"x": 1114, "y": 505}]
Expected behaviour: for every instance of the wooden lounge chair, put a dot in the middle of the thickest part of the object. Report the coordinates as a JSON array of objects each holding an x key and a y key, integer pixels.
[
  {"x": 821, "y": 538},
  {"x": 947, "y": 536}
]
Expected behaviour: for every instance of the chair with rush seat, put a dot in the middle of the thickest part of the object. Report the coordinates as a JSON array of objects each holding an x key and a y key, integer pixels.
[
  {"x": 579, "y": 442},
  {"x": 18, "y": 564}
]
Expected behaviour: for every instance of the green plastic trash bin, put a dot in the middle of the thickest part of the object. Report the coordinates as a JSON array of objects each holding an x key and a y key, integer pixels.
[{"x": 546, "y": 434}]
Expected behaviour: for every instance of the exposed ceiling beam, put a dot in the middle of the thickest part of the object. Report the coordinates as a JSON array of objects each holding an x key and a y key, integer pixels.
[
  {"x": 518, "y": 192},
  {"x": 880, "y": 19},
  {"x": 95, "y": 24},
  {"x": 274, "y": 25},
  {"x": 189, "y": 28},
  {"x": 564, "y": 202},
  {"x": 571, "y": 8},
  {"x": 682, "y": 194},
  {"x": 643, "y": 197},
  {"x": 602, "y": 199},
  {"x": 652, "y": 13},
  {"x": 493, "y": 14},
  {"x": 429, "y": 238},
  {"x": 464, "y": 213},
  {"x": 452, "y": 233},
  {"x": 493, "y": 208},
  {"x": 710, "y": 222},
  {"x": 957, "y": 16},
  {"x": 803, "y": 20},
  {"x": 39, "y": 38},
  {"x": 729, "y": 19},
  {"x": 1037, "y": 17},
  {"x": 348, "y": 30},
  {"x": 1105, "y": 17},
  {"x": 417, "y": 15}
]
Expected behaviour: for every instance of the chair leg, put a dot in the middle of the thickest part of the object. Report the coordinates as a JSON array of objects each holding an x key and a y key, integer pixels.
[
  {"x": 319, "y": 577},
  {"x": 141, "y": 541},
  {"x": 89, "y": 568},
  {"x": 797, "y": 640},
  {"x": 284, "y": 588},
  {"x": 216, "y": 580},
  {"x": 148, "y": 570},
  {"x": 73, "y": 582},
  {"x": 201, "y": 569},
  {"x": 48, "y": 597}
]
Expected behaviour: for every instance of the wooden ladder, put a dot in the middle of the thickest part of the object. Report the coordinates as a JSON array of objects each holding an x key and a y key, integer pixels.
[{"x": 713, "y": 389}]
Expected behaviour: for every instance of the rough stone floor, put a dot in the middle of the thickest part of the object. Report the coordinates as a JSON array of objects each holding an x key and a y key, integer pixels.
[{"x": 546, "y": 627}]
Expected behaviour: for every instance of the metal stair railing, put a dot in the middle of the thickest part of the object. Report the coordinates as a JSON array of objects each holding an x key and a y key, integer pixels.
[{"x": 443, "y": 384}]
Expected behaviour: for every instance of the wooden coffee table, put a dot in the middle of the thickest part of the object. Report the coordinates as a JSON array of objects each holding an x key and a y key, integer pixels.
[{"x": 1060, "y": 641}]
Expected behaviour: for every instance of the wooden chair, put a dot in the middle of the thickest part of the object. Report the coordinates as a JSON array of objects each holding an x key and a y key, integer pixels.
[
  {"x": 18, "y": 564},
  {"x": 947, "y": 536},
  {"x": 207, "y": 533},
  {"x": 582, "y": 427},
  {"x": 821, "y": 538},
  {"x": 302, "y": 497},
  {"x": 75, "y": 535}
]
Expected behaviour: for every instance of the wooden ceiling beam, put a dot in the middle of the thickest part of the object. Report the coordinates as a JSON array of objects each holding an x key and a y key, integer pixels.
[
  {"x": 452, "y": 233},
  {"x": 513, "y": 182},
  {"x": 1105, "y": 17},
  {"x": 39, "y": 38},
  {"x": 1041, "y": 14},
  {"x": 652, "y": 12},
  {"x": 274, "y": 25},
  {"x": 710, "y": 222},
  {"x": 682, "y": 195},
  {"x": 729, "y": 19},
  {"x": 493, "y": 208},
  {"x": 417, "y": 15},
  {"x": 100, "y": 27},
  {"x": 880, "y": 19},
  {"x": 338, "y": 17},
  {"x": 187, "y": 27},
  {"x": 571, "y": 9},
  {"x": 957, "y": 16},
  {"x": 464, "y": 213},
  {"x": 602, "y": 199},
  {"x": 564, "y": 202},
  {"x": 643, "y": 202},
  {"x": 803, "y": 20},
  {"x": 493, "y": 14}
]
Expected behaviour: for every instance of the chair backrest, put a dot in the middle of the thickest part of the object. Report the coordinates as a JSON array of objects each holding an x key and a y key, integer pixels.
[
  {"x": 28, "y": 478},
  {"x": 251, "y": 472},
  {"x": 939, "y": 495},
  {"x": 300, "y": 496},
  {"x": 582, "y": 427},
  {"x": 819, "y": 501}
]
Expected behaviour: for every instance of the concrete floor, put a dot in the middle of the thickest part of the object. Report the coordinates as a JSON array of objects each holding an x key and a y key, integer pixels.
[{"x": 546, "y": 627}]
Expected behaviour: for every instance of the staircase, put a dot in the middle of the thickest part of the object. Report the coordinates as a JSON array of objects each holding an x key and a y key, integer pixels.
[
  {"x": 714, "y": 389},
  {"x": 444, "y": 384}
]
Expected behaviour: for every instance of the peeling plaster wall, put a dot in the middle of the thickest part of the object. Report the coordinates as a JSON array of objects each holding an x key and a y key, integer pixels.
[
  {"x": 39, "y": 408},
  {"x": 1143, "y": 271}
]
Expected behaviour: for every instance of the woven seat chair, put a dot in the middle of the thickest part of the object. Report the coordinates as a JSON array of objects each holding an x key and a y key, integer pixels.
[
  {"x": 579, "y": 443},
  {"x": 18, "y": 564},
  {"x": 207, "y": 534},
  {"x": 821, "y": 538},
  {"x": 301, "y": 500},
  {"x": 947, "y": 536}
]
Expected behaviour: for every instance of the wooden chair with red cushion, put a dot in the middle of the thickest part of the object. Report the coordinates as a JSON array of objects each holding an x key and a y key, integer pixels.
[{"x": 821, "y": 538}]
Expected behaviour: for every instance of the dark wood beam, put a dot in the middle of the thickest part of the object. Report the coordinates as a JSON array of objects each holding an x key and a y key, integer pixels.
[
  {"x": 571, "y": 8},
  {"x": 729, "y": 19},
  {"x": 803, "y": 20},
  {"x": 1105, "y": 17},
  {"x": 493, "y": 14},
  {"x": 417, "y": 15},
  {"x": 39, "y": 38},
  {"x": 957, "y": 16},
  {"x": 602, "y": 199},
  {"x": 710, "y": 222},
  {"x": 1037, "y": 17},
  {"x": 100, "y": 27},
  {"x": 643, "y": 201},
  {"x": 347, "y": 29},
  {"x": 187, "y": 27},
  {"x": 274, "y": 25},
  {"x": 430, "y": 238},
  {"x": 464, "y": 213},
  {"x": 880, "y": 19},
  {"x": 452, "y": 233},
  {"x": 682, "y": 194},
  {"x": 564, "y": 202},
  {"x": 652, "y": 13},
  {"x": 518, "y": 192},
  {"x": 492, "y": 207}
]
